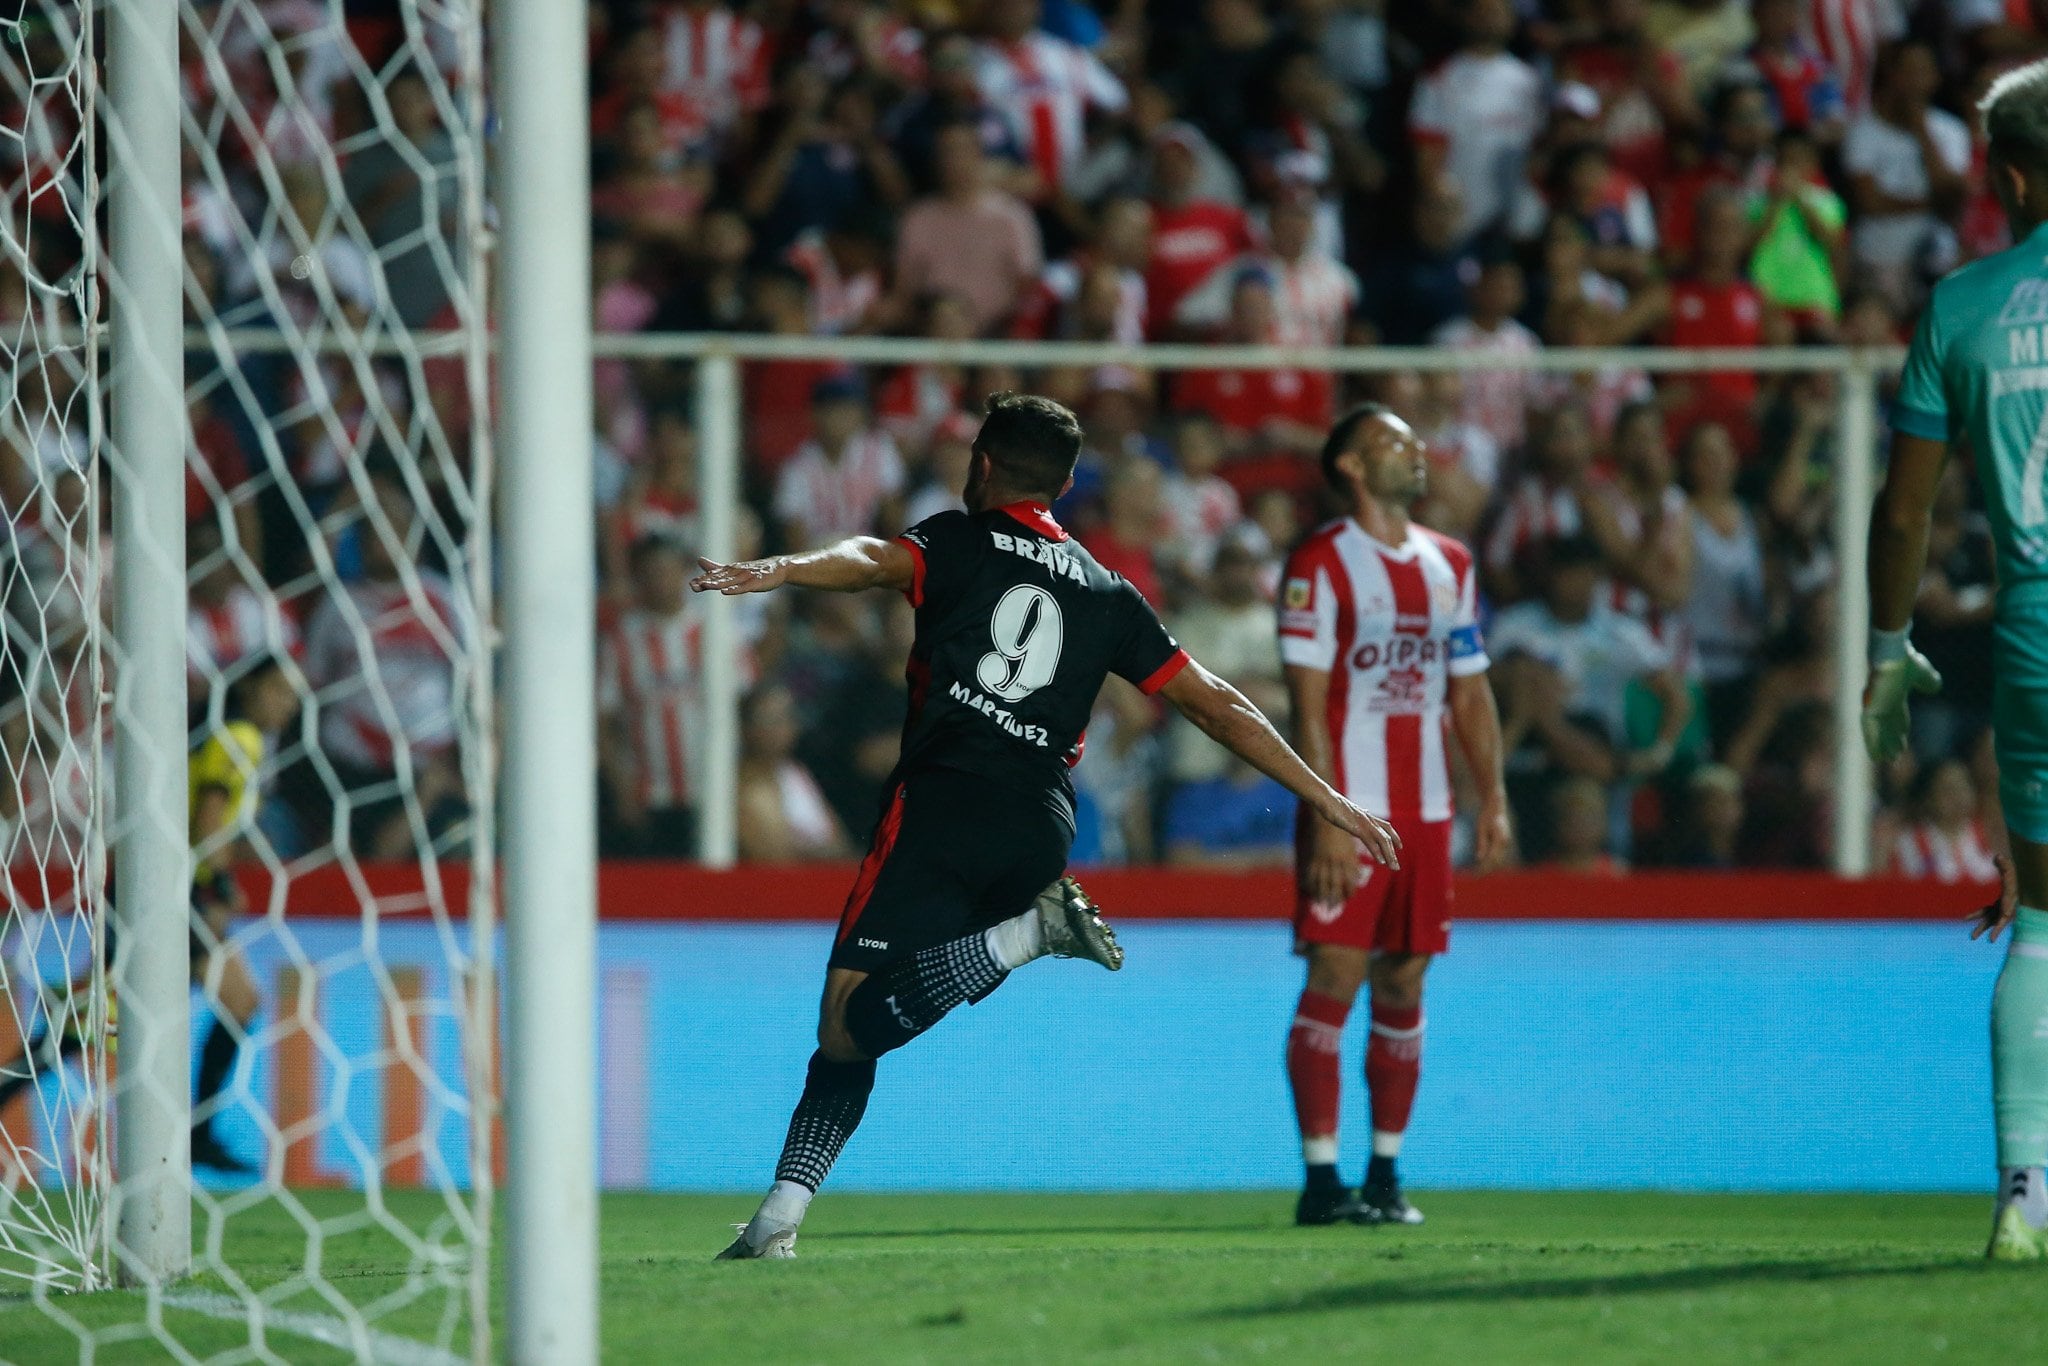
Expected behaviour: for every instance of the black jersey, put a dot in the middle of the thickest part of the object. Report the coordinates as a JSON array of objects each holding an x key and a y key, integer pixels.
[{"x": 1017, "y": 625}]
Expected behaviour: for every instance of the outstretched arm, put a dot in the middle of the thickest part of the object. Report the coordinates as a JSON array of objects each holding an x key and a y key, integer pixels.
[
  {"x": 1226, "y": 716},
  {"x": 848, "y": 567}
]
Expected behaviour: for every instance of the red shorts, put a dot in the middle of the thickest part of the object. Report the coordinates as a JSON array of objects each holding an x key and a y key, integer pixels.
[{"x": 1393, "y": 911}]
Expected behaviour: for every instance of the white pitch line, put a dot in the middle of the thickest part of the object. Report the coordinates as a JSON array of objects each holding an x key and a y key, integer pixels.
[{"x": 386, "y": 1349}]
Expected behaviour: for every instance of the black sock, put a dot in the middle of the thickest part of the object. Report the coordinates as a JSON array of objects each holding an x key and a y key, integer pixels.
[
  {"x": 1323, "y": 1176},
  {"x": 216, "y": 1066},
  {"x": 1379, "y": 1172},
  {"x": 903, "y": 1000},
  {"x": 835, "y": 1097}
]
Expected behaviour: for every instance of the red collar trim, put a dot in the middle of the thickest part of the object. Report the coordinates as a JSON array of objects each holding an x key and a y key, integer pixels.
[{"x": 1037, "y": 516}]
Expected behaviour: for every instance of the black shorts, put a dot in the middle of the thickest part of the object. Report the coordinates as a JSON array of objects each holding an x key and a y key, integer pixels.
[{"x": 954, "y": 853}]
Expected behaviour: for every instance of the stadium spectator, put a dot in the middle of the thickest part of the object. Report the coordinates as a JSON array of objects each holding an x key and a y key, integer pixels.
[
  {"x": 1725, "y": 614},
  {"x": 381, "y": 653},
  {"x": 650, "y": 196},
  {"x": 1715, "y": 305},
  {"x": 1044, "y": 87},
  {"x": 1806, "y": 93},
  {"x": 1945, "y": 841},
  {"x": 1496, "y": 401},
  {"x": 1905, "y": 161},
  {"x": 1134, "y": 514},
  {"x": 1710, "y": 829},
  {"x": 649, "y": 668},
  {"x": 1263, "y": 409},
  {"x": 953, "y": 96},
  {"x": 1232, "y": 626},
  {"x": 1113, "y": 789},
  {"x": 783, "y": 815},
  {"x": 1201, "y": 505},
  {"x": 1415, "y": 288},
  {"x": 1237, "y": 820},
  {"x": 227, "y": 620},
  {"x": 715, "y": 59},
  {"x": 1798, "y": 681},
  {"x": 847, "y": 479},
  {"x": 1476, "y": 118},
  {"x": 1582, "y": 659},
  {"x": 1547, "y": 503},
  {"x": 1096, "y": 292},
  {"x": 1643, "y": 91},
  {"x": 1193, "y": 236},
  {"x": 1313, "y": 293},
  {"x": 1579, "y": 829},
  {"x": 1952, "y": 617},
  {"x": 402, "y": 188},
  {"x": 824, "y": 159},
  {"x": 1799, "y": 235},
  {"x": 1641, "y": 523},
  {"x": 970, "y": 239}
]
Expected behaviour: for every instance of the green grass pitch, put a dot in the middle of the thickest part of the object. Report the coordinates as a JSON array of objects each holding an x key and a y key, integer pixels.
[{"x": 1507, "y": 1277}]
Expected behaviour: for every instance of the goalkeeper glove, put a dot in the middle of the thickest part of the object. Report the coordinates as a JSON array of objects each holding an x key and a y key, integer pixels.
[{"x": 1897, "y": 670}]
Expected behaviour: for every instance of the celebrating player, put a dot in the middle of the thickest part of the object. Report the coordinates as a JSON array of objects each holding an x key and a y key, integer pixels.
[
  {"x": 1976, "y": 369},
  {"x": 1017, "y": 626},
  {"x": 1379, "y": 633}
]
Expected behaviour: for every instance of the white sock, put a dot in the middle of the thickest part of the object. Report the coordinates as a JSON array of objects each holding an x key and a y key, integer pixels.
[
  {"x": 2026, "y": 1187},
  {"x": 1385, "y": 1144},
  {"x": 1319, "y": 1152},
  {"x": 1016, "y": 941},
  {"x": 786, "y": 1203}
]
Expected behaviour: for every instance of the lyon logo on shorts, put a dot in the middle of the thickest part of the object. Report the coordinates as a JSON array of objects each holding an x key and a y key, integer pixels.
[{"x": 1323, "y": 912}]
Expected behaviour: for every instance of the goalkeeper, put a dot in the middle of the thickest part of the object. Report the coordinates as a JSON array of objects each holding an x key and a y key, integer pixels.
[{"x": 1978, "y": 370}]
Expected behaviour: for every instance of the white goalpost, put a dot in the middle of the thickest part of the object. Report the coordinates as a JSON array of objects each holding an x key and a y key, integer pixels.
[{"x": 243, "y": 290}]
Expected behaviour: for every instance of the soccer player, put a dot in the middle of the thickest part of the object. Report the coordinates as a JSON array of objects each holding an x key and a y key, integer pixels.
[
  {"x": 1379, "y": 633},
  {"x": 1017, "y": 626},
  {"x": 1976, "y": 371}
]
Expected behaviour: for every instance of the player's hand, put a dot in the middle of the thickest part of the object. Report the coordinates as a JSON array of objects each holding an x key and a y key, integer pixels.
[
  {"x": 1884, "y": 702},
  {"x": 1331, "y": 872},
  {"x": 1495, "y": 836},
  {"x": 1993, "y": 918},
  {"x": 748, "y": 576},
  {"x": 1382, "y": 845}
]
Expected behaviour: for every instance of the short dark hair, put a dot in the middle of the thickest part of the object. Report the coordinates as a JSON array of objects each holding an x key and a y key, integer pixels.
[
  {"x": 645, "y": 548},
  {"x": 1572, "y": 552},
  {"x": 1341, "y": 435},
  {"x": 1031, "y": 441}
]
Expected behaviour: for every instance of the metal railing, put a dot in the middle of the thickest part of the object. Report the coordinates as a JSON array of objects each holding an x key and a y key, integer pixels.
[{"x": 719, "y": 416}]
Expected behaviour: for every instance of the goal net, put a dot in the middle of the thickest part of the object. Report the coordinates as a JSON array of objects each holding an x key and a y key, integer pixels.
[{"x": 337, "y": 486}]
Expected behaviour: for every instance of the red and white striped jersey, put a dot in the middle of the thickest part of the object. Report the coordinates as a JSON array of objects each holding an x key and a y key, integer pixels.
[
  {"x": 1848, "y": 34},
  {"x": 718, "y": 58},
  {"x": 1392, "y": 625},
  {"x": 1924, "y": 850},
  {"x": 648, "y": 667},
  {"x": 839, "y": 497},
  {"x": 1044, "y": 87},
  {"x": 220, "y": 635},
  {"x": 1313, "y": 300},
  {"x": 382, "y": 654}
]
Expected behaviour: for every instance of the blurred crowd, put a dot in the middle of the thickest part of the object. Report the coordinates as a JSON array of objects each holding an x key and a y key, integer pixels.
[{"x": 1488, "y": 176}]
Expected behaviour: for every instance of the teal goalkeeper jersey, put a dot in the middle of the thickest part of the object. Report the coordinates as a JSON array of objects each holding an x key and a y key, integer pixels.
[{"x": 1978, "y": 368}]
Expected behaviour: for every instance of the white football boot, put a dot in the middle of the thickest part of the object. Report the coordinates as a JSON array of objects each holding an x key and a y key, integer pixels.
[
  {"x": 1074, "y": 928},
  {"x": 771, "y": 1234}
]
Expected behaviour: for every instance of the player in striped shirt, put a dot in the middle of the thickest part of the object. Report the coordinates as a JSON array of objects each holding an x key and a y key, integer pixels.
[{"x": 1379, "y": 633}]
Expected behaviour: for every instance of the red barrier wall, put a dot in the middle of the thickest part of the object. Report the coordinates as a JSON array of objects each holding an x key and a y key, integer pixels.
[{"x": 681, "y": 891}]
